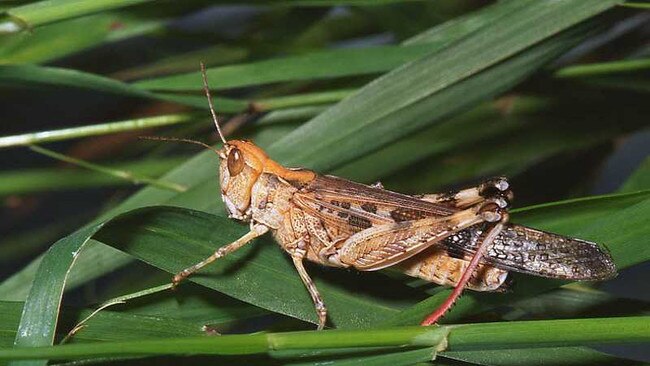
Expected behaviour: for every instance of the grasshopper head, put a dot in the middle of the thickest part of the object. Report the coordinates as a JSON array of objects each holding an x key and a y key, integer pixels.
[{"x": 242, "y": 162}]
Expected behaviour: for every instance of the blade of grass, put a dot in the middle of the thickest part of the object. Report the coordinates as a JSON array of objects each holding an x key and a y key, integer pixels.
[
  {"x": 291, "y": 114},
  {"x": 316, "y": 65},
  {"x": 483, "y": 336},
  {"x": 524, "y": 128},
  {"x": 44, "y": 299},
  {"x": 53, "y": 41},
  {"x": 55, "y": 179},
  {"x": 77, "y": 79},
  {"x": 185, "y": 62},
  {"x": 603, "y": 68},
  {"x": 40, "y": 75},
  {"x": 120, "y": 174},
  {"x": 94, "y": 130},
  {"x": 636, "y": 5},
  {"x": 624, "y": 230},
  {"x": 44, "y": 12},
  {"x": 570, "y": 215},
  {"x": 304, "y": 99}
]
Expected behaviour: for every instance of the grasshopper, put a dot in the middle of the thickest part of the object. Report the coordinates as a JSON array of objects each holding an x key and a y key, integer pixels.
[{"x": 461, "y": 239}]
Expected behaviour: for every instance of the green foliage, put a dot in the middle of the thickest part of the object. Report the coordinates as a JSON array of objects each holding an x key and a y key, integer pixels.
[{"x": 460, "y": 94}]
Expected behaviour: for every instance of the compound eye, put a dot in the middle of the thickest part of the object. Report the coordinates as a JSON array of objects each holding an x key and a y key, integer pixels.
[{"x": 235, "y": 162}]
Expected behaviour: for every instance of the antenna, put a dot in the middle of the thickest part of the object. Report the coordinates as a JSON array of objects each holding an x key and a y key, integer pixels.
[
  {"x": 206, "y": 88},
  {"x": 176, "y": 139}
]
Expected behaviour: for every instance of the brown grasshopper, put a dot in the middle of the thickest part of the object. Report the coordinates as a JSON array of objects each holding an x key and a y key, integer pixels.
[{"x": 460, "y": 239}]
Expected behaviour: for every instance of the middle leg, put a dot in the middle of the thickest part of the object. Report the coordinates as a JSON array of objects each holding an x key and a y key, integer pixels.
[{"x": 319, "y": 305}]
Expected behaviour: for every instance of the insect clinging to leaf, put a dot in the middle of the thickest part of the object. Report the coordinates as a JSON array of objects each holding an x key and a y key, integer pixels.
[{"x": 461, "y": 239}]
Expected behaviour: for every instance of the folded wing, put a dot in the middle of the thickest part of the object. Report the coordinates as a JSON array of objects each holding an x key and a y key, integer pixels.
[{"x": 523, "y": 249}]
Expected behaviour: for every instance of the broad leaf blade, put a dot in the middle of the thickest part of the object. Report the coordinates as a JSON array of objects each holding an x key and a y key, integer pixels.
[{"x": 173, "y": 239}]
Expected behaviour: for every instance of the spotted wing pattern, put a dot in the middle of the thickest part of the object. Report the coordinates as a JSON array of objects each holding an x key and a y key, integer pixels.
[{"x": 523, "y": 249}]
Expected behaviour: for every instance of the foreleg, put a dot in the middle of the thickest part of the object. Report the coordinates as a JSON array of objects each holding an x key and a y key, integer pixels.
[{"x": 256, "y": 230}]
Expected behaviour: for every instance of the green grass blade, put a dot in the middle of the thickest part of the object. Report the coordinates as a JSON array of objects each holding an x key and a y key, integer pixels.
[
  {"x": 573, "y": 214},
  {"x": 292, "y": 114},
  {"x": 53, "y": 41},
  {"x": 185, "y": 62},
  {"x": 93, "y": 130},
  {"x": 128, "y": 176},
  {"x": 40, "y": 75},
  {"x": 72, "y": 78},
  {"x": 604, "y": 68},
  {"x": 304, "y": 99},
  {"x": 54, "y": 179},
  {"x": 485, "y": 336},
  {"x": 317, "y": 65},
  {"x": 65, "y": 77},
  {"x": 636, "y": 5},
  {"x": 44, "y": 12},
  {"x": 41, "y": 310}
]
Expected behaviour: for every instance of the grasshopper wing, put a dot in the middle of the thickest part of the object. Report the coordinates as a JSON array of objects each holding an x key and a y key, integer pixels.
[
  {"x": 523, "y": 249},
  {"x": 378, "y": 228},
  {"x": 386, "y": 245},
  {"x": 354, "y": 207}
]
